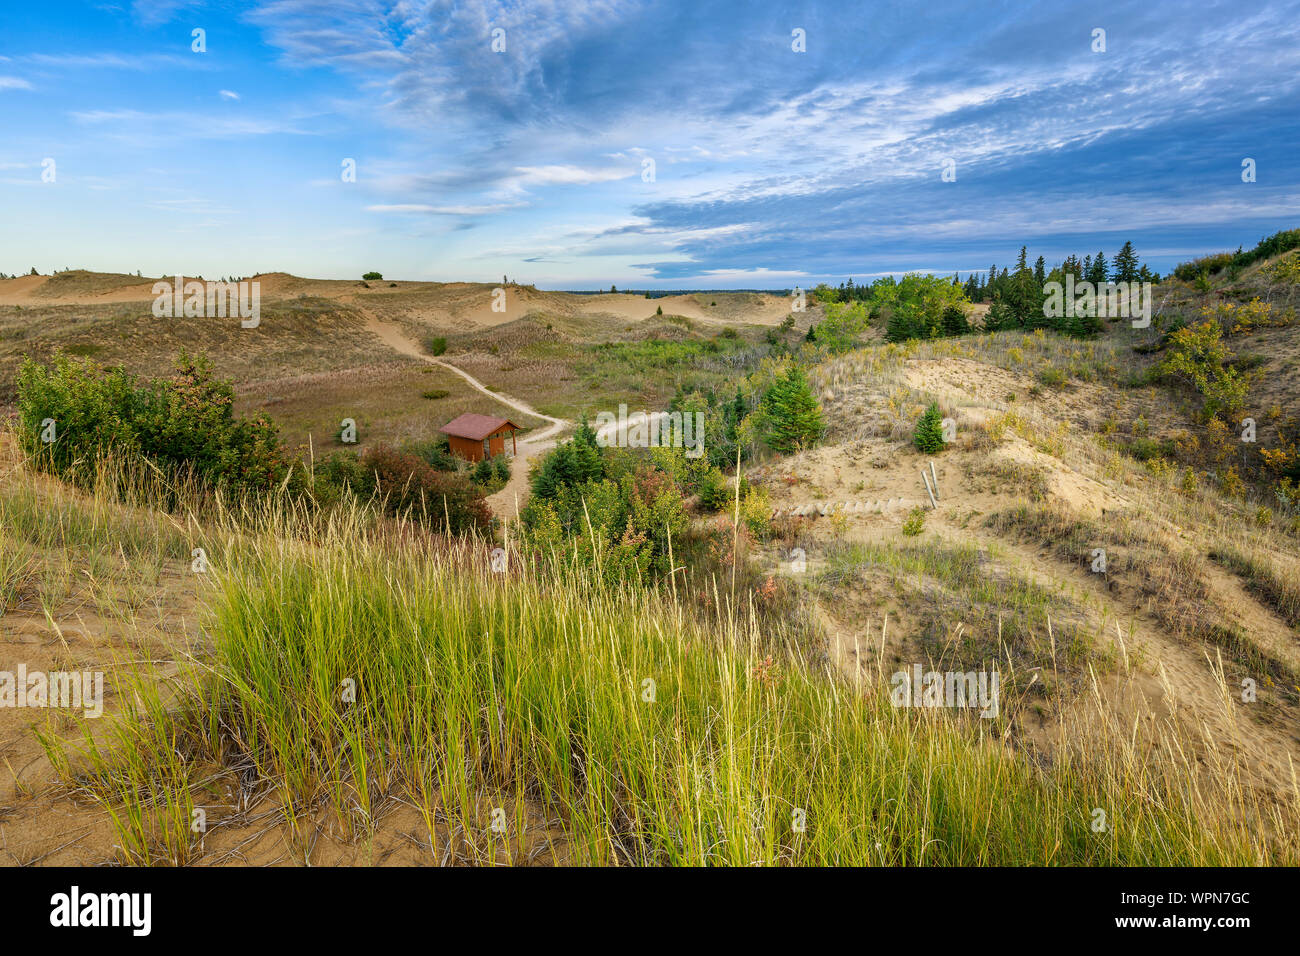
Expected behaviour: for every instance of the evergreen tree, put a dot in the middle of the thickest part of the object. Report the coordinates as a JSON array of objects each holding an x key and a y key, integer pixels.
[
  {"x": 899, "y": 328},
  {"x": 571, "y": 463},
  {"x": 1040, "y": 271},
  {"x": 1097, "y": 273},
  {"x": 954, "y": 321},
  {"x": 732, "y": 415},
  {"x": 793, "y": 415},
  {"x": 999, "y": 317},
  {"x": 928, "y": 436},
  {"x": 1125, "y": 264}
]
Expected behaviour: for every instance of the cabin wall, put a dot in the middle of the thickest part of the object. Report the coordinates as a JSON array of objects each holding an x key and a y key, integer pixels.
[
  {"x": 472, "y": 450},
  {"x": 466, "y": 448}
]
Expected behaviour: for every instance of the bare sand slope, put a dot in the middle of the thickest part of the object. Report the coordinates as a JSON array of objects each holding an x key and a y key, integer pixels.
[{"x": 452, "y": 305}]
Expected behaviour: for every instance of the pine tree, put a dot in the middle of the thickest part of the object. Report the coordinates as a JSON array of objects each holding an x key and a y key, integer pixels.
[
  {"x": 928, "y": 436},
  {"x": 732, "y": 415},
  {"x": 1125, "y": 264},
  {"x": 999, "y": 318},
  {"x": 1097, "y": 273},
  {"x": 954, "y": 321},
  {"x": 793, "y": 414},
  {"x": 898, "y": 328},
  {"x": 1040, "y": 271}
]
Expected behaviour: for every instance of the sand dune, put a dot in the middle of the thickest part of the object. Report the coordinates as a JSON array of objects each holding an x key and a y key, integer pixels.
[{"x": 449, "y": 304}]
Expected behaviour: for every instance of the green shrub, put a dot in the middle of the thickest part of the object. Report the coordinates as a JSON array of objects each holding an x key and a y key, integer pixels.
[
  {"x": 1199, "y": 357},
  {"x": 436, "y": 344},
  {"x": 183, "y": 423},
  {"x": 409, "y": 486},
  {"x": 1051, "y": 376},
  {"x": 928, "y": 436},
  {"x": 915, "y": 522},
  {"x": 713, "y": 491},
  {"x": 435, "y": 393},
  {"x": 501, "y": 468},
  {"x": 435, "y": 452},
  {"x": 372, "y": 276}
]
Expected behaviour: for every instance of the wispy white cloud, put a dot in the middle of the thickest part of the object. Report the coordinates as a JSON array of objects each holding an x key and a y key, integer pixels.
[
  {"x": 141, "y": 126},
  {"x": 481, "y": 210}
]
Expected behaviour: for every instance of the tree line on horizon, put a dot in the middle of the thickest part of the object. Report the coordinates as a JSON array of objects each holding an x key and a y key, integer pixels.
[{"x": 985, "y": 287}]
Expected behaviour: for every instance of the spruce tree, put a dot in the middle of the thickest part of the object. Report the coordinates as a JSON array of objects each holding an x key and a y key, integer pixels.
[
  {"x": 954, "y": 321},
  {"x": 928, "y": 436},
  {"x": 999, "y": 317},
  {"x": 1125, "y": 264},
  {"x": 793, "y": 414},
  {"x": 1097, "y": 273}
]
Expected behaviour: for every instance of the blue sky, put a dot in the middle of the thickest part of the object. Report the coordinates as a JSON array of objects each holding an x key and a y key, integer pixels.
[{"x": 771, "y": 167}]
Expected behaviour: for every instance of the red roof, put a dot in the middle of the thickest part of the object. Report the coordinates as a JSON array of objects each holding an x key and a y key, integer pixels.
[{"x": 476, "y": 427}]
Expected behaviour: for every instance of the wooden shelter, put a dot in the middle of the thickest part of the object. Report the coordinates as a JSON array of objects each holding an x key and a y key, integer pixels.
[{"x": 475, "y": 437}]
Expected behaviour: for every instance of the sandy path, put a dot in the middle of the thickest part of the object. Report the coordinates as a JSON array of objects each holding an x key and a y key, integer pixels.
[{"x": 509, "y": 499}]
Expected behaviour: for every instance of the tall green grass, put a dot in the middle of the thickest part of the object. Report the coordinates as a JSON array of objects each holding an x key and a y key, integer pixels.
[{"x": 527, "y": 692}]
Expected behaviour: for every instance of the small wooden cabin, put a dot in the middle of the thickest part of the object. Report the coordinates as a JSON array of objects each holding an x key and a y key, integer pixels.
[{"x": 475, "y": 437}]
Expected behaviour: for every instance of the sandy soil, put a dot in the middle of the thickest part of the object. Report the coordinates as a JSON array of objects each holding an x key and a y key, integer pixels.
[{"x": 460, "y": 305}]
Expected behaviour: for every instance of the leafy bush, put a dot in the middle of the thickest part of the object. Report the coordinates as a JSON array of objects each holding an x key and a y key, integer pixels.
[
  {"x": 436, "y": 344},
  {"x": 436, "y": 452},
  {"x": 372, "y": 276},
  {"x": 1266, "y": 248},
  {"x": 409, "y": 486},
  {"x": 1051, "y": 376},
  {"x": 481, "y": 473},
  {"x": 435, "y": 393},
  {"x": 915, "y": 522},
  {"x": 843, "y": 326},
  {"x": 915, "y": 306},
  {"x": 713, "y": 491},
  {"x": 928, "y": 436},
  {"x": 182, "y": 423},
  {"x": 1199, "y": 357}
]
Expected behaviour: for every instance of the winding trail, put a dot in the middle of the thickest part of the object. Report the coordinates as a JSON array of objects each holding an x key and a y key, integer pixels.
[{"x": 509, "y": 499}]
